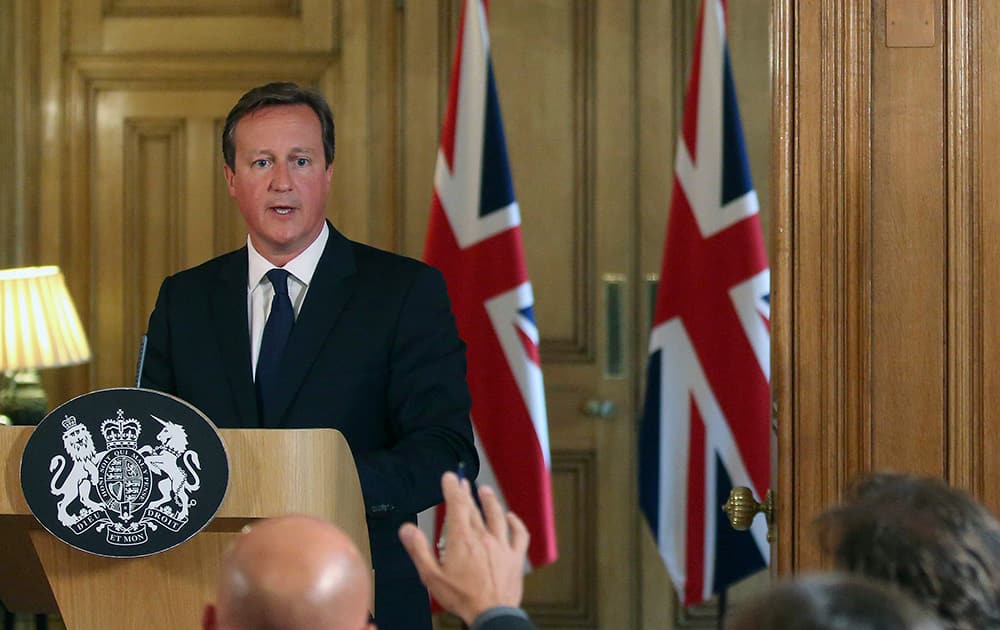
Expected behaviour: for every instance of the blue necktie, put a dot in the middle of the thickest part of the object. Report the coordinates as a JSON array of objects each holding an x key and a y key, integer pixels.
[{"x": 273, "y": 342}]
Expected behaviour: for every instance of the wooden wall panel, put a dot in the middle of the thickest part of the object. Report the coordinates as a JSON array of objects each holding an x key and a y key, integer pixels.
[
  {"x": 159, "y": 8},
  {"x": 749, "y": 53},
  {"x": 155, "y": 178},
  {"x": 229, "y": 230},
  {"x": 221, "y": 26},
  {"x": 19, "y": 132},
  {"x": 987, "y": 197},
  {"x": 966, "y": 273},
  {"x": 660, "y": 83},
  {"x": 385, "y": 50},
  {"x": 821, "y": 297},
  {"x": 150, "y": 245},
  {"x": 554, "y": 135},
  {"x": 909, "y": 254},
  {"x": 788, "y": 29},
  {"x": 883, "y": 354},
  {"x": 9, "y": 217},
  {"x": 567, "y": 596},
  {"x": 550, "y": 142}
]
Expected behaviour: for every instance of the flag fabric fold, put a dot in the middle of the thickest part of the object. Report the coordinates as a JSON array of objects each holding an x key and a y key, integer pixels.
[
  {"x": 705, "y": 426},
  {"x": 474, "y": 238}
]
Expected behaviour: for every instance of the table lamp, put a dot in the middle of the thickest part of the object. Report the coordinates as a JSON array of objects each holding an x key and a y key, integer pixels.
[{"x": 39, "y": 328}]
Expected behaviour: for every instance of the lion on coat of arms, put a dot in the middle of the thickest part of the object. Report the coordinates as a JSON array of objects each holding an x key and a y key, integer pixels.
[{"x": 82, "y": 478}]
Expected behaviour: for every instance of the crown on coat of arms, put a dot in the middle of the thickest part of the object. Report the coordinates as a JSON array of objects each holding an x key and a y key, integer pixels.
[{"x": 121, "y": 433}]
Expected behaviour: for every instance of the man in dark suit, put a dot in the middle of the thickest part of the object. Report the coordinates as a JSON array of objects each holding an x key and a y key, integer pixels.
[{"x": 303, "y": 328}]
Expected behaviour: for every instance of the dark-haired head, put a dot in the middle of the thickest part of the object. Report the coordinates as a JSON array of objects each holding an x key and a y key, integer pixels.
[
  {"x": 833, "y": 602},
  {"x": 272, "y": 94},
  {"x": 933, "y": 541}
]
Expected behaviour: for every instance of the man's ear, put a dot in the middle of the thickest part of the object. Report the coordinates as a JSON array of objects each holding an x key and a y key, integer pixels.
[
  {"x": 229, "y": 175},
  {"x": 208, "y": 618}
]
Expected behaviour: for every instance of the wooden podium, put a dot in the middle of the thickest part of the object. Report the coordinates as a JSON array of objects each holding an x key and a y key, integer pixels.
[{"x": 271, "y": 472}]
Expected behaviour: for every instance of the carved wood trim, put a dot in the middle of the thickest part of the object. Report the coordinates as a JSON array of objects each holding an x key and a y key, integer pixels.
[
  {"x": 783, "y": 411},
  {"x": 581, "y": 347},
  {"x": 848, "y": 164},
  {"x": 19, "y": 131},
  {"x": 449, "y": 13},
  {"x": 385, "y": 117},
  {"x": 684, "y": 19},
  {"x": 11, "y": 215},
  {"x": 581, "y": 467},
  {"x": 226, "y": 215},
  {"x": 219, "y": 26},
  {"x": 965, "y": 264},
  {"x": 821, "y": 297},
  {"x": 179, "y": 8},
  {"x": 135, "y": 252},
  {"x": 149, "y": 71}
]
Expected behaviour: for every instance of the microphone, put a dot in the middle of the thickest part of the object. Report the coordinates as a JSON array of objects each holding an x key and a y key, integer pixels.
[{"x": 142, "y": 360}]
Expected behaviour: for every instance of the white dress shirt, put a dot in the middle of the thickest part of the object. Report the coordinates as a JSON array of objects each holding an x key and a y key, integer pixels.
[{"x": 260, "y": 292}]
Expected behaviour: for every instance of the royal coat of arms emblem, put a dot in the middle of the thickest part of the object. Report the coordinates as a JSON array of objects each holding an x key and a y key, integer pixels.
[{"x": 138, "y": 493}]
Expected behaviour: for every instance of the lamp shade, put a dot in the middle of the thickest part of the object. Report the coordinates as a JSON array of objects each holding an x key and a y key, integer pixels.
[{"x": 39, "y": 327}]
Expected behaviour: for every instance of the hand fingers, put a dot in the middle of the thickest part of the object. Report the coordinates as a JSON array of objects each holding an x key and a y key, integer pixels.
[
  {"x": 458, "y": 502},
  {"x": 519, "y": 535},
  {"x": 475, "y": 515},
  {"x": 494, "y": 512},
  {"x": 419, "y": 549},
  {"x": 431, "y": 575},
  {"x": 462, "y": 513}
]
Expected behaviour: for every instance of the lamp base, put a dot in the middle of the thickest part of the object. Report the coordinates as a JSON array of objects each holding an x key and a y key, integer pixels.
[{"x": 22, "y": 398}]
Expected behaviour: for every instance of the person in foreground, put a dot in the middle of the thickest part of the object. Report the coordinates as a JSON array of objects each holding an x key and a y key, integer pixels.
[
  {"x": 291, "y": 573},
  {"x": 832, "y": 602},
  {"x": 480, "y": 576},
  {"x": 303, "y": 328},
  {"x": 932, "y": 541}
]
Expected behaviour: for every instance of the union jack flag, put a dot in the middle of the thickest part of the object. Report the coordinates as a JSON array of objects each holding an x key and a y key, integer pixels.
[
  {"x": 474, "y": 238},
  {"x": 705, "y": 426}
]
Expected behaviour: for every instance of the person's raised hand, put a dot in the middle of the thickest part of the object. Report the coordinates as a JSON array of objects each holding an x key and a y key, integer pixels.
[
  {"x": 506, "y": 547},
  {"x": 482, "y": 565}
]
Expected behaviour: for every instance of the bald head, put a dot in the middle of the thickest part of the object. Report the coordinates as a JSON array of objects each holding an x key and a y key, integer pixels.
[{"x": 292, "y": 572}]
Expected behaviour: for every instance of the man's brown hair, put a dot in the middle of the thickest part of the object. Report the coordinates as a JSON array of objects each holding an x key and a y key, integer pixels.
[
  {"x": 833, "y": 602},
  {"x": 278, "y": 94},
  {"x": 933, "y": 541}
]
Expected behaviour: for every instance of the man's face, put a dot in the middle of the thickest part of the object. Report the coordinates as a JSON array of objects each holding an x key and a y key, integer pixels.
[{"x": 279, "y": 179}]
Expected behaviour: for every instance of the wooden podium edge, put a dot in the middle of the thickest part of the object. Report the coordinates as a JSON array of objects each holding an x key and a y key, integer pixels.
[{"x": 39, "y": 566}]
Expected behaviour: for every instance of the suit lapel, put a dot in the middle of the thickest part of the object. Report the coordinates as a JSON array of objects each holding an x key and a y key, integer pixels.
[
  {"x": 332, "y": 285},
  {"x": 229, "y": 317}
]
